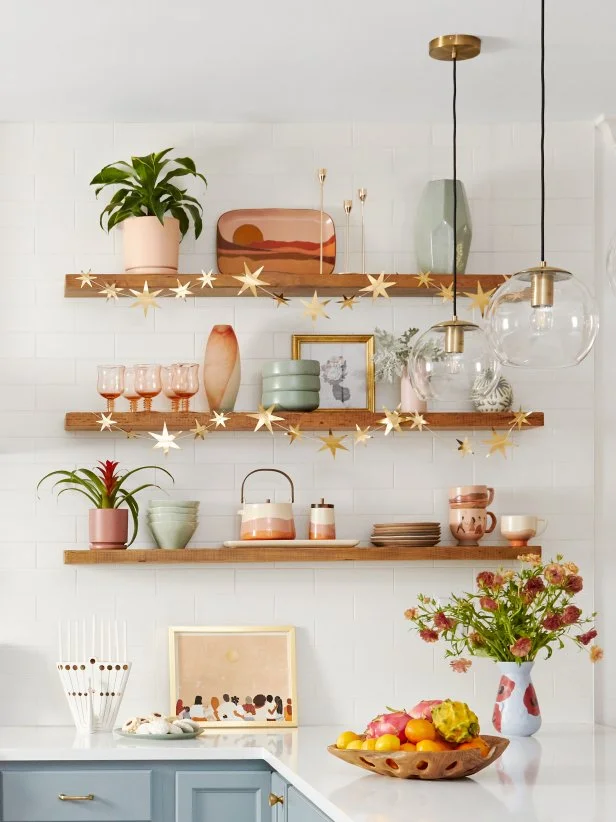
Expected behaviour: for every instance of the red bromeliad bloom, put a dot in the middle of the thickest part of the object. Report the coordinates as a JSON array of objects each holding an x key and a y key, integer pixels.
[
  {"x": 442, "y": 622},
  {"x": 587, "y": 638},
  {"x": 428, "y": 635},
  {"x": 521, "y": 647},
  {"x": 108, "y": 474},
  {"x": 485, "y": 579},
  {"x": 552, "y": 622},
  {"x": 488, "y": 604},
  {"x": 571, "y": 615},
  {"x": 574, "y": 584}
]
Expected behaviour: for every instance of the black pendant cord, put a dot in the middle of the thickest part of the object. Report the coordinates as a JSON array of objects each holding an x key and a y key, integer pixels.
[
  {"x": 455, "y": 187},
  {"x": 542, "y": 131}
]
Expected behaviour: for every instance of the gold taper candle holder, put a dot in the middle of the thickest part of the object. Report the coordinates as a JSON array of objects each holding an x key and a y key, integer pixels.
[
  {"x": 362, "y": 194},
  {"x": 348, "y": 205},
  {"x": 322, "y": 176}
]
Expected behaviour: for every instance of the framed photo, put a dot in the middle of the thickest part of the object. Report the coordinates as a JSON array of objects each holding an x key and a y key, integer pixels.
[
  {"x": 234, "y": 677},
  {"x": 347, "y": 367}
]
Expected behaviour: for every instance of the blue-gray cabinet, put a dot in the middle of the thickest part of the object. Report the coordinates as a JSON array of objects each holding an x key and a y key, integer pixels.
[
  {"x": 189, "y": 791},
  {"x": 213, "y": 797}
]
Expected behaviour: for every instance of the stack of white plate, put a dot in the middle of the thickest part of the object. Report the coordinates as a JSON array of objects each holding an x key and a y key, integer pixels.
[
  {"x": 173, "y": 522},
  {"x": 419, "y": 534}
]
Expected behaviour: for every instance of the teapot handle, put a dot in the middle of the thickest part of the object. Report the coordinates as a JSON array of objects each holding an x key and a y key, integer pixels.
[{"x": 273, "y": 470}]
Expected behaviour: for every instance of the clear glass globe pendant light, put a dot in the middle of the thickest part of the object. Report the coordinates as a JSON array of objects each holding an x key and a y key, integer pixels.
[
  {"x": 454, "y": 357},
  {"x": 542, "y": 317}
]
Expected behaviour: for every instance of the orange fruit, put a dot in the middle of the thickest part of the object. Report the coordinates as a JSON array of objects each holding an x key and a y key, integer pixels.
[
  {"x": 432, "y": 745},
  {"x": 354, "y": 745},
  {"x": 344, "y": 739},
  {"x": 419, "y": 729},
  {"x": 480, "y": 744},
  {"x": 387, "y": 742},
  {"x": 407, "y": 746}
]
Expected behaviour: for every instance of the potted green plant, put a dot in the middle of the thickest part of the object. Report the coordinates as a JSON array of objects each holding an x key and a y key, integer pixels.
[
  {"x": 391, "y": 358},
  {"x": 106, "y": 490},
  {"x": 147, "y": 192}
]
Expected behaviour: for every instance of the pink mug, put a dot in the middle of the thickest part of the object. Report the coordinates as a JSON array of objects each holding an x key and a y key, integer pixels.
[
  {"x": 469, "y": 525},
  {"x": 471, "y": 496}
]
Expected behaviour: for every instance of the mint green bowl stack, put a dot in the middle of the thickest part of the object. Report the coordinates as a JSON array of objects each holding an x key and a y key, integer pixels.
[
  {"x": 291, "y": 385},
  {"x": 173, "y": 522}
]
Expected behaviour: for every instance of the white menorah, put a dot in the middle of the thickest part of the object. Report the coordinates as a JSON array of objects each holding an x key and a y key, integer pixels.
[{"x": 95, "y": 684}]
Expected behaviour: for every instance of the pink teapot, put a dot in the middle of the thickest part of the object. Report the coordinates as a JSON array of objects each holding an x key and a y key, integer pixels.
[{"x": 267, "y": 520}]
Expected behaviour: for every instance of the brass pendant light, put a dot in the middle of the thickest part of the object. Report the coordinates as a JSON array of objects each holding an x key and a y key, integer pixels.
[
  {"x": 453, "y": 358},
  {"x": 542, "y": 317}
]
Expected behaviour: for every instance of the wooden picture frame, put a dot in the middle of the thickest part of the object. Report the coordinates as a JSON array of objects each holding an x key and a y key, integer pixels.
[
  {"x": 234, "y": 677},
  {"x": 335, "y": 394}
]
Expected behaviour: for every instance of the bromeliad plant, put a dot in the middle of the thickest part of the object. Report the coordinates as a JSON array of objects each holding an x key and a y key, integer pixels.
[
  {"x": 145, "y": 191},
  {"x": 512, "y": 616},
  {"x": 104, "y": 489}
]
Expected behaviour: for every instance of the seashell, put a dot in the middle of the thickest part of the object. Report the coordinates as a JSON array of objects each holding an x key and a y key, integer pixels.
[
  {"x": 144, "y": 729},
  {"x": 184, "y": 725},
  {"x": 160, "y": 726}
]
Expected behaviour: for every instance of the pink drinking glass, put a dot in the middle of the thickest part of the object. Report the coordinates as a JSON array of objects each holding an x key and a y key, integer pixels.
[
  {"x": 110, "y": 384},
  {"x": 147, "y": 383},
  {"x": 166, "y": 375},
  {"x": 130, "y": 392},
  {"x": 185, "y": 382}
]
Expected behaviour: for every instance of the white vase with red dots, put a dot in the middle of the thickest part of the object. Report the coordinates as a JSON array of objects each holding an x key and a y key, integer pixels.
[{"x": 516, "y": 710}]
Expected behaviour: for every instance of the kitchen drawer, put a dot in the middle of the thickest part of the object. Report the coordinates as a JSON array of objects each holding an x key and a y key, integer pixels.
[{"x": 34, "y": 796}]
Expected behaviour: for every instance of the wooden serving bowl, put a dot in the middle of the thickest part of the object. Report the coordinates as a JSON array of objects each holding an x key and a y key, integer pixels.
[{"x": 425, "y": 765}]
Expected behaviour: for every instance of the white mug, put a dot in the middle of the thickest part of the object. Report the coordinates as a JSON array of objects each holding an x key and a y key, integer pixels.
[{"x": 519, "y": 528}]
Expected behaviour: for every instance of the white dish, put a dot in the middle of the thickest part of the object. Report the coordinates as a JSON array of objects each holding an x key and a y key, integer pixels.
[{"x": 292, "y": 543}]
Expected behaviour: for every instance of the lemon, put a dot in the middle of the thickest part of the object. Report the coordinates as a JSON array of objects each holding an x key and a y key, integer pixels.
[
  {"x": 368, "y": 745},
  {"x": 354, "y": 745},
  {"x": 387, "y": 742},
  {"x": 344, "y": 739}
]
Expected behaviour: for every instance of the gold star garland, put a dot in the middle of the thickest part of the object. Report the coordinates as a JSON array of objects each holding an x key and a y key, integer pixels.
[{"x": 394, "y": 421}]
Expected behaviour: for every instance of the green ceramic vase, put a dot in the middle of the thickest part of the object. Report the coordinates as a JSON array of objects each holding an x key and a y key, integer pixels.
[{"x": 434, "y": 228}]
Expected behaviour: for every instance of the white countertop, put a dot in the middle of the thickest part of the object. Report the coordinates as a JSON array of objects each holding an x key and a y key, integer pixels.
[{"x": 562, "y": 774}]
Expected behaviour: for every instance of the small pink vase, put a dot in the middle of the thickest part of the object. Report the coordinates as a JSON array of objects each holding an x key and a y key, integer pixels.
[
  {"x": 108, "y": 528},
  {"x": 409, "y": 401},
  {"x": 221, "y": 368},
  {"x": 149, "y": 247}
]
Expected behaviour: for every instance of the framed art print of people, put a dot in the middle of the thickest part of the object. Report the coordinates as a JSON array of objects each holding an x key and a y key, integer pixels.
[{"x": 232, "y": 675}]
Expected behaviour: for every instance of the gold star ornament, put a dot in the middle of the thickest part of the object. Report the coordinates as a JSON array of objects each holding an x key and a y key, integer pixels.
[
  {"x": 206, "y": 279},
  {"x": 111, "y": 291},
  {"x": 250, "y": 280},
  {"x": 265, "y": 417},
  {"x": 361, "y": 435},
  {"x": 391, "y": 421},
  {"x": 294, "y": 433},
  {"x": 417, "y": 421},
  {"x": 445, "y": 292},
  {"x": 146, "y": 299},
  {"x": 332, "y": 443},
  {"x": 464, "y": 447},
  {"x": 199, "y": 431},
  {"x": 498, "y": 443},
  {"x": 106, "y": 422},
  {"x": 347, "y": 302},
  {"x": 378, "y": 287},
  {"x": 219, "y": 419},
  {"x": 480, "y": 298},
  {"x": 520, "y": 418},
  {"x": 165, "y": 441},
  {"x": 86, "y": 278},
  {"x": 424, "y": 279},
  {"x": 315, "y": 308},
  {"x": 182, "y": 291},
  {"x": 280, "y": 299}
]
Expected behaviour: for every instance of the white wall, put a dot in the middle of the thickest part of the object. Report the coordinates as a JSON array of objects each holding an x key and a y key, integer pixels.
[{"x": 355, "y": 653}]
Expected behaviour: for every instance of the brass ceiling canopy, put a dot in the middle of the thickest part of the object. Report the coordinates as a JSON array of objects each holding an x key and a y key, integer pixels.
[{"x": 455, "y": 47}]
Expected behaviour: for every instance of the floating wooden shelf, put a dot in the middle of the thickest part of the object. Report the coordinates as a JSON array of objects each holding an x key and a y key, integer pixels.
[
  {"x": 292, "y": 285},
  {"x": 320, "y": 420},
  {"x": 239, "y": 555}
]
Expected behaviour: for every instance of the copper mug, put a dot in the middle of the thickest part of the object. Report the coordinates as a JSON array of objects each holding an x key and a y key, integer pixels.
[
  {"x": 471, "y": 496},
  {"x": 469, "y": 525}
]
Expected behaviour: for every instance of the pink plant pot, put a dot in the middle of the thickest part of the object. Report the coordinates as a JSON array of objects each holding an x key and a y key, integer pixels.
[
  {"x": 149, "y": 247},
  {"x": 108, "y": 528}
]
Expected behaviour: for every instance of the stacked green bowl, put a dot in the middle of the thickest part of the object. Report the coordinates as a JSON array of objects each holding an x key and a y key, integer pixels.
[
  {"x": 173, "y": 522},
  {"x": 291, "y": 385}
]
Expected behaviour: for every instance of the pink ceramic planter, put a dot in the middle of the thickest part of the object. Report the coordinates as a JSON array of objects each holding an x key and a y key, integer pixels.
[
  {"x": 108, "y": 528},
  {"x": 149, "y": 247}
]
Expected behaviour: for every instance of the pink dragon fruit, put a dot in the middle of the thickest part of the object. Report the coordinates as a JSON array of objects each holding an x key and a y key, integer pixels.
[
  {"x": 391, "y": 723},
  {"x": 423, "y": 709}
]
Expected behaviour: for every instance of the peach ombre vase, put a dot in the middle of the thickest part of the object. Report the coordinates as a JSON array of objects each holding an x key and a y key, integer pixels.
[{"x": 221, "y": 368}]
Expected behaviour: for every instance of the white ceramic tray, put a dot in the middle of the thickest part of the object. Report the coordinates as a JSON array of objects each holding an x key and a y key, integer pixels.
[{"x": 292, "y": 543}]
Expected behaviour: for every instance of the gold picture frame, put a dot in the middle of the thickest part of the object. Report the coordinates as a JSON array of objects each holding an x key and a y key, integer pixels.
[
  {"x": 300, "y": 341},
  {"x": 225, "y": 677}
]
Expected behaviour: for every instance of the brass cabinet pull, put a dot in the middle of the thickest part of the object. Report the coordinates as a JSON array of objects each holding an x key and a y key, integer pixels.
[
  {"x": 64, "y": 797},
  {"x": 275, "y": 800}
]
